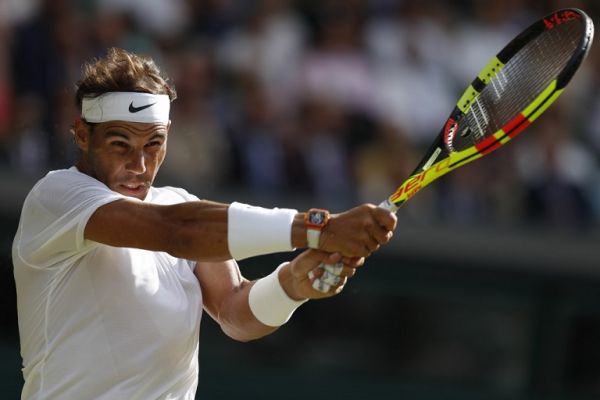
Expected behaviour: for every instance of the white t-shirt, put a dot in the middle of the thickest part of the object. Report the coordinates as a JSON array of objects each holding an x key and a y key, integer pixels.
[{"x": 95, "y": 321}]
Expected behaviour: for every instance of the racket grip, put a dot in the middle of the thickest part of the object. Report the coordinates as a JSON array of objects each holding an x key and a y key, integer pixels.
[{"x": 388, "y": 205}]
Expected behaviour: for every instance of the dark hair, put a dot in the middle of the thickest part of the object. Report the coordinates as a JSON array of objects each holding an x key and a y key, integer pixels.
[{"x": 121, "y": 71}]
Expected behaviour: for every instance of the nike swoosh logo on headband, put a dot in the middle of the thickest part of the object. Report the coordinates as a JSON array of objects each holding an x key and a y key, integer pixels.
[{"x": 133, "y": 109}]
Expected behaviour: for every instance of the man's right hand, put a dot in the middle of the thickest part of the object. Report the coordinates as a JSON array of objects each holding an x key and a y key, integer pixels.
[{"x": 358, "y": 232}]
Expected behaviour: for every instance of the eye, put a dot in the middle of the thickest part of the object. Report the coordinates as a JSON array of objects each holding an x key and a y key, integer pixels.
[
  {"x": 154, "y": 144},
  {"x": 120, "y": 144}
]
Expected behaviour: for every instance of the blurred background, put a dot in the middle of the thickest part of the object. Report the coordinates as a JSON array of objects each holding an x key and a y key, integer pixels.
[{"x": 490, "y": 288}]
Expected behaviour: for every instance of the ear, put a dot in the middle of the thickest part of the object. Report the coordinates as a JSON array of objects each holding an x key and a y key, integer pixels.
[{"x": 81, "y": 134}]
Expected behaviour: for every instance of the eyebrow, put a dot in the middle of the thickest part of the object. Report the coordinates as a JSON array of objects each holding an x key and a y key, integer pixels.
[
  {"x": 111, "y": 134},
  {"x": 158, "y": 135}
]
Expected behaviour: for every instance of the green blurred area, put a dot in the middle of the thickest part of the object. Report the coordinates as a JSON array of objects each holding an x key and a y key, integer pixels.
[{"x": 405, "y": 329}]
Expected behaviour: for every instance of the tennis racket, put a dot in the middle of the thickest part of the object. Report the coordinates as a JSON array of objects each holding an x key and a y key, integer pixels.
[{"x": 510, "y": 92}]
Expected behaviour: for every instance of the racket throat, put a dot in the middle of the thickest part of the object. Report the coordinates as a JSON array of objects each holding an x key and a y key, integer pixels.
[{"x": 434, "y": 156}]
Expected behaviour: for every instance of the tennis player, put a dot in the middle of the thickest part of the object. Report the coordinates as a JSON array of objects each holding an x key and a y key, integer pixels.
[{"x": 112, "y": 273}]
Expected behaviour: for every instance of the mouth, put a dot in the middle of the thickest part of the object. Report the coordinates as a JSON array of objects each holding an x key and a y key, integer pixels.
[{"x": 133, "y": 189}]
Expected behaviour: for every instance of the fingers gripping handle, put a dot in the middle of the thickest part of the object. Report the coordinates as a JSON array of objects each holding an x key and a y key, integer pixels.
[
  {"x": 331, "y": 277},
  {"x": 323, "y": 284}
]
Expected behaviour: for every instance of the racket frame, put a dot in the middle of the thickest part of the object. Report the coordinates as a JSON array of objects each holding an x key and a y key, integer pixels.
[{"x": 439, "y": 160}]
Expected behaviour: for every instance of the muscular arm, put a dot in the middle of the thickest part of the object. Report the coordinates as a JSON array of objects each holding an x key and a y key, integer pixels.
[
  {"x": 225, "y": 296},
  {"x": 193, "y": 230},
  {"x": 197, "y": 230},
  {"x": 225, "y": 291}
]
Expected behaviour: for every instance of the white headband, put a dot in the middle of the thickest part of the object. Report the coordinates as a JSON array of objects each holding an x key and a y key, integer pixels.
[{"x": 126, "y": 106}]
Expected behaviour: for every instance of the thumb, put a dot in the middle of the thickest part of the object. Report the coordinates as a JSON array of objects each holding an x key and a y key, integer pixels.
[{"x": 386, "y": 218}]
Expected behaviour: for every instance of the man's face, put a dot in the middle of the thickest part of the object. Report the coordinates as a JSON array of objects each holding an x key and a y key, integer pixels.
[{"x": 125, "y": 156}]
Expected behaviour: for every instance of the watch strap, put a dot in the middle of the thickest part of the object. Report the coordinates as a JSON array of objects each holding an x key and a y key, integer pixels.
[
  {"x": 312, "y": 237},
  {"x": 315, "y": 221}
]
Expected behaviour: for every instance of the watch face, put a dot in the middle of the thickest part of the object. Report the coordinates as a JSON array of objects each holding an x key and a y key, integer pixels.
[{"x": 317, "y": 218}]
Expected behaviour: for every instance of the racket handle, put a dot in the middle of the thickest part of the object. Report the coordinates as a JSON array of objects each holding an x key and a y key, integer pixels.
[{"x": 388, "y": 205}]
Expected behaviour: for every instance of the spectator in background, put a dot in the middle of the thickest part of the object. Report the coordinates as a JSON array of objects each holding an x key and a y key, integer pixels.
[
  {"x": 411, "y": 49},
  {"x": 29, "y": 153},
  {"x": 479, "y": 38},
  {"x": 201, "y": 154},
  {"x": 14, "y": 12},
  {"x": 587, "y": 113},
  {"x": 269, "y": 46},
  {"x": 558, "y": 171},
  {"x": 325, "y": 152},
  {"x": 382, "y": 163},
  {"x": 160, "y": 19},
  {"x": 6, "y": 94},
  {"x": 115, "y": 27},
  {"x": 212, "y": 19},
  {"x": 335, "y": 68},
  {"x": 259, "y": 141},
  {"x": 44, "y": 51}
]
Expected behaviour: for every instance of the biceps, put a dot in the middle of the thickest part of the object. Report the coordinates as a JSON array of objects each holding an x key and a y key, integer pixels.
[
  {"x": 195, "y": 230},
  {"x": 128, "y": 223}
]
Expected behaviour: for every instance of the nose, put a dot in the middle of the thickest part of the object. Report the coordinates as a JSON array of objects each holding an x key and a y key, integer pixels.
[{"x": 136, "y": 162}]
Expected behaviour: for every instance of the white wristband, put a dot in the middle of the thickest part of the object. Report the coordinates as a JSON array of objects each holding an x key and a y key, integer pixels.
[
  {"x": 253, "y": 231},
  {"x": 268, "y": 301}
]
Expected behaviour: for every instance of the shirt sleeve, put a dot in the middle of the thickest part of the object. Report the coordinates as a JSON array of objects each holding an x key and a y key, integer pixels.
[
  {"x": 54, "y": 217},
  {"x": 179, "y": 195}
]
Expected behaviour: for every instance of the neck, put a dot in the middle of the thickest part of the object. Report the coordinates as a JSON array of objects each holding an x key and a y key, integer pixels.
[{"x": 82, "y": 166}]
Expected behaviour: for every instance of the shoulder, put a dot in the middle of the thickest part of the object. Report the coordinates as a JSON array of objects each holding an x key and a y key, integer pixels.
[
  {"x": 170, "y": 195},
  {"x": 67, "y": 178},
  {"x": 62, "y": 190}
]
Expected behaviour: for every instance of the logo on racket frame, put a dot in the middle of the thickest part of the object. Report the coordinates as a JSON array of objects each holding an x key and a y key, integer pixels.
[
  {"x": 415, "y": 182},
  {"x": 449, "y": 132},
  {"x": 560, "y": 17}
]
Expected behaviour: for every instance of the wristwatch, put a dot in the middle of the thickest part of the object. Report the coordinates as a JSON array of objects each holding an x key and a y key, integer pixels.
[{"x": 315, "y": 220}]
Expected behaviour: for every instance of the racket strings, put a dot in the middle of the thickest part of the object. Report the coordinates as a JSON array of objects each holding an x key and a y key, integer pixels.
[{"x": 519, "y": 83}]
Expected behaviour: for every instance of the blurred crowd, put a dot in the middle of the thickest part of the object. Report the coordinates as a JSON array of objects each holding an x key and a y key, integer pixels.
[{"x": 332, "y": 100}]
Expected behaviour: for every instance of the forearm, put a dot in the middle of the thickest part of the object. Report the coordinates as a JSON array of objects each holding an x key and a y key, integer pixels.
[
  {"x": 198, "y": 230},
  {"x": 237, "y": 320},
  {"x": 235, "y": 231},
  {"x": 250, "y": 310},
  {"x": 262, "y": 306},
  {"x": 225, "y": 295}
]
